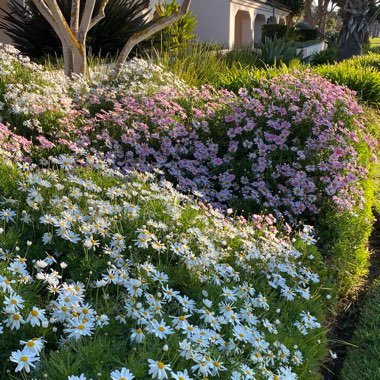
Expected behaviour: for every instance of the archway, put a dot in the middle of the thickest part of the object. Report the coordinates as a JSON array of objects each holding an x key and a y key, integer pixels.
[
  {"x": 243, "y": 29},
  {"x": 259, "y": 22}
]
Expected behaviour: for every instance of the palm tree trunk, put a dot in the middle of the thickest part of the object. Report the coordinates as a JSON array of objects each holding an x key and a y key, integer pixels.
[{"x": 355, "y": 26}]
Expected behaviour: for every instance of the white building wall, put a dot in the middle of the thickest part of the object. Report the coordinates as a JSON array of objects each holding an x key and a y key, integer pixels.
[
  {"x": 253, "y": 8},
  {"x": 216, "y": 18},
  {"x": 213, "y": 19}
]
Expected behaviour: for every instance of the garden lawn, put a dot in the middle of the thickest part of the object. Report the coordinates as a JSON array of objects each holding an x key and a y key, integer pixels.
[
  {"x": 362, "y": 361},
  {"x": 375, "y": 41}
]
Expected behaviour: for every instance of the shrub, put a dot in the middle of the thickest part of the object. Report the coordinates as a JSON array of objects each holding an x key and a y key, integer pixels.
[
  {"x": 324, "y": 57},
  {"x": 273, "y": 30},
  {"x": 242, "y": 57},
  {"x": 174, "y": 37},
  {"x": 302, "y": 35},
  {"x": 195, "y": 138},
  {"x": 365, "y": 81},
  {"x": 197, "y": 65},
  {"x": 34, "y": 37},
  {"x": 277, "y": 51},
  {"x": 201, "y": 145},
  {"x": 332, "y": 37},
  {"x": 368, "y": 60}
]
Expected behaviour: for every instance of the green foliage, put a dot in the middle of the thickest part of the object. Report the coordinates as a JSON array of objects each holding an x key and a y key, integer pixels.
[
  {"x": 201, "y": 64},
  {"x": 296, "y": 6},
  {"x": 324, "y": 57},
  {"x": 174, "y": 37},
  {"x": 373, "y": 117},
  {"x": 277, "y": 51},
  {"x": 331, "y": 37},
  {"x": 198, "y": 64},
  {"x": 364, "y": 80},
  {"x": 238, "y": 77},
  {"x": 344, "y": 240},
  {"x": 244, "y": 57},
  {"x": 368, "y": 60},
  {"x": 362, "y": 361},
  {"x": 273, "y": 30},
  {"x": 34, "y": 37},
  {"x": 303, "y": 35}
]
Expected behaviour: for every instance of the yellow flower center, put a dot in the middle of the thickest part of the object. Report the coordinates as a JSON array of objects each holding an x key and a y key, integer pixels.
[
  {"x": 182, "y": 318},
  {"x": 160, "y": 365},
  {"x": 24, "y": 359},
  {"x": 30, "y": 344},
  {"x": 81, "y": 327},
  {"x": 16, "y": 317},
  {"x": 162, "y": 329},
  {"x": 13, "y": 302},
  {"x": 34, "y": 313}
]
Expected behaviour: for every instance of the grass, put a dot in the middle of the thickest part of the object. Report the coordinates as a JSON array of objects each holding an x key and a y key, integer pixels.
[
  {"x": 376, "y": 175},
  {"x": 362, "y": 361},
  {"x": 202, "y": 64},
  {"x": 375, "y": 41}
]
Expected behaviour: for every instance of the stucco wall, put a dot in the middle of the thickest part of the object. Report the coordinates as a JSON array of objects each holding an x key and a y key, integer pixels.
[
  {"x": 253, "y": 9},
  {"x": 213, "y": 20}
]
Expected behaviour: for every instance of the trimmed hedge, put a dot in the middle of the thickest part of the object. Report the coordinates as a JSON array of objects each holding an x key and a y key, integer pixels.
[{"x": 273, "y": 30}]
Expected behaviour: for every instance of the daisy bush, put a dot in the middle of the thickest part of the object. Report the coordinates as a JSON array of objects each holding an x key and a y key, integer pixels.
[
  {"x": 293, "y": 146},
  {"x": 105, "y": 273},
  {"x": 124, "y": 249}
]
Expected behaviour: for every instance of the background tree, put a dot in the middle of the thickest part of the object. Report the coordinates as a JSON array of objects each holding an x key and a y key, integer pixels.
[
  {"x": 357, "y": 16},
  {"x": 296, "y": 7},
  {"x": 176, "y": 36},
  {"x": 32, "y": 34},
  {"x": 73, "y": 32}
]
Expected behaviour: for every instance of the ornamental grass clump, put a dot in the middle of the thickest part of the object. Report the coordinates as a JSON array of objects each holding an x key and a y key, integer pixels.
[{"x": 127, "y": 269}]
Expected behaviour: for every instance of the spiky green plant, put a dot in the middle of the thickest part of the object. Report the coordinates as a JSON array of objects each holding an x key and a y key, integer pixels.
[
  {"x": 34, "y": 37},
  {"x": 277, "y": 51}
]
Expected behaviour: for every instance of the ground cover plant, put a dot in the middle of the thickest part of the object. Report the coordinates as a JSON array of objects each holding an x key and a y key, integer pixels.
[
  {"x": 195, "y": 138},
  {"x": 90, "y": 222},
  {"x": 93, "y": 254}
]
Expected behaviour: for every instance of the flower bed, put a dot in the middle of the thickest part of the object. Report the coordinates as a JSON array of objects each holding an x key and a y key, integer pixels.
[
  {"x": 128, "y": 270},
  {"x": 293, "y": 146},
  {"x": 102, "y": 258}
]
